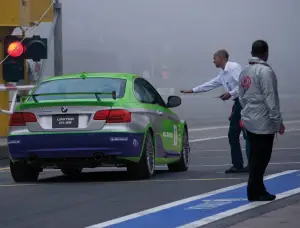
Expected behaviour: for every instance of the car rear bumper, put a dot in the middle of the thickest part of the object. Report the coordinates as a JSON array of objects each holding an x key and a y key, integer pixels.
[{"x": 79, "y": 145}]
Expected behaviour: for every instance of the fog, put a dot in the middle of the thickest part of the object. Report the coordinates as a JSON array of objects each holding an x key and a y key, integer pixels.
[{"x": 138, "y": 35}]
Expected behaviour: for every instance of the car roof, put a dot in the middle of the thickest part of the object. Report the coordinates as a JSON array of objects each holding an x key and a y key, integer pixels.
[{"x": 127, "y": 76}]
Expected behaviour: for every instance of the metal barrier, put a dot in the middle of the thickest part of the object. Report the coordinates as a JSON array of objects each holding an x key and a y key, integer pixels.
[{"x": 16, "y": 89}]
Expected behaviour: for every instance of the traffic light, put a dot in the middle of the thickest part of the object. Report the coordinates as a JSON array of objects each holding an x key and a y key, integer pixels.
[
  {"x": 13, "y": 65},
  {"x": 34, "y": 48}
]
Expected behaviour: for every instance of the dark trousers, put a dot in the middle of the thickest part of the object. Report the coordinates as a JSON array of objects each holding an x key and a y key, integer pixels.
[
  {"x": 247, "y": 144},
  {"x": 234, "y": 135},
  {"x": 260, "y": 154}
]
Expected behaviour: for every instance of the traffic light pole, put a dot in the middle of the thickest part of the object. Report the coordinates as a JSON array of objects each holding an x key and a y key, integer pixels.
[
  {"x": 26, "y": 79},
  {"x": 58, "y": 40},
  {"x": 4, "y": 95},
  {"x": 36, "y": 10}
]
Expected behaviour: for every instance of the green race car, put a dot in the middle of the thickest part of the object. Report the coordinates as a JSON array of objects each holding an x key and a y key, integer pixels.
[{"x": 91, "y": 120}]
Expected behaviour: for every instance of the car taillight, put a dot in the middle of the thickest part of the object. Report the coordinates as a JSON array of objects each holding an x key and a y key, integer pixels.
[
  {"x": 21, "y": 118},
  {"x": 101, "y": 115},
  {"x": 119, "y": 116},
  {"x": 113, "y": 116}
]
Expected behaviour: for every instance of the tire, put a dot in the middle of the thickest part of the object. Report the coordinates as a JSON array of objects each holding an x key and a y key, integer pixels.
[
  {"x": 183, "y": 164},
  {"x": 145, "y": 169},
  {"x": 71, "y": 171},
  {"x": 22, "y": 172}
]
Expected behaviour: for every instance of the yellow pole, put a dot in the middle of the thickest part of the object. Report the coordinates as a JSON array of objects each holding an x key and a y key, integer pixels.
[{"x": 4, "y": 95}]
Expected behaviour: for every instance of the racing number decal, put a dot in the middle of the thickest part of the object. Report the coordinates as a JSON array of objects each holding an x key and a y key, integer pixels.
[{"x": 175, "y": 135}]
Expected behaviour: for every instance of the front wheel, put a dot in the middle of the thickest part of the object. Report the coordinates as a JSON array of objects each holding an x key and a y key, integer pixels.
[
  {"x": 21, "y": 172},
  {"x": 183, "y": 164}
]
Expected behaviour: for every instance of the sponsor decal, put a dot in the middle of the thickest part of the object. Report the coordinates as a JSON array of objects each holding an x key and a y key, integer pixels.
[
  {"x": 118, "y": 139},
  {"x": 45, "y": 111},
  {"x": 135, "y": 142},
  {"x": 14, "y": 142},
  {"x": 175, "y": 135},
  {"x": 168, "y": 134},
  {"x": 246, "y": 82}
]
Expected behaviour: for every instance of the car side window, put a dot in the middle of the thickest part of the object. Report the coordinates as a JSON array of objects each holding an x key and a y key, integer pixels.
[
  {"x": 153, "y": 94},
  {"x": 140, "y": 93}
]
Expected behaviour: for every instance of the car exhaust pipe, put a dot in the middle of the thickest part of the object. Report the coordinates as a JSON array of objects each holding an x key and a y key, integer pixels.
[
  {"x": 32, "y": 158},
  {"x": 98, "y": 157}
]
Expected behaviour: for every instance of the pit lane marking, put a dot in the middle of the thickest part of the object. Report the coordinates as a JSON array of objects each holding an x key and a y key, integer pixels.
[
  {"x": 6, "y": 169},
  {"x": 187, "y": 179},
  {"x": 226, "y": 127},
  {"x": 16, "y": 185},
  {"x": 161, "y": 216},
  {"x": 226, "y": 137},
  {"x": 278, "y": 148},
  {"x": 271, "y": 163}
]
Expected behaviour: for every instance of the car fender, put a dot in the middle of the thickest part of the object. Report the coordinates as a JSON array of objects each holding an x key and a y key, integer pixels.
[
  {"x": 183, "y": 124},
  {"x": 148, "y": 127}
]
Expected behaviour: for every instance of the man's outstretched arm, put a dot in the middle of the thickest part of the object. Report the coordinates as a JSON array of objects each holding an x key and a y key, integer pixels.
[{"x": 207, "y": 86}]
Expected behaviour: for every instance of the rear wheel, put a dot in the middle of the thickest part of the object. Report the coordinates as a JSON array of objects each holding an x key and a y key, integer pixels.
[
  {"x": 21, "y": 172},
  {"x": 71, "y": 171},
  {"x": 183, "y": 163},
  {"x": 146, "y": 166}
]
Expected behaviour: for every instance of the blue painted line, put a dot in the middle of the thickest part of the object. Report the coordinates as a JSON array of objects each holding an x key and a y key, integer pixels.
[{"x": 187, "y": 213}]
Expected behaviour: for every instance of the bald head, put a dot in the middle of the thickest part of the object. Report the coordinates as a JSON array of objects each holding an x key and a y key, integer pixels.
[
  {"x": 222, "y": 53},
  {"x": 220, "y": 58}
]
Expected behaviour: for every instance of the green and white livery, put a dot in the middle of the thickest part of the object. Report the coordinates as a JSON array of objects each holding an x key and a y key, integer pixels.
[{"x": 91, "y": 120}]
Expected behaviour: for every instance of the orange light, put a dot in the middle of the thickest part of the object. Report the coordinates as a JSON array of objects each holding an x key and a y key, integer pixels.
[{"x": 15, "y": 49}]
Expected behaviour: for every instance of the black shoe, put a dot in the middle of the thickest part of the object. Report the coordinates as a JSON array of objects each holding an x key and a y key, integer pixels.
[
  {"x": 235, "y": 170},
  {"x": 265, "y": 197},
  {"x": 246, "y": 169}
]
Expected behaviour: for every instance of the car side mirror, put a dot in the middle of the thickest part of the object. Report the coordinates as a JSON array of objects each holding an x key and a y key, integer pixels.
[{"x": 173, "y": 101}]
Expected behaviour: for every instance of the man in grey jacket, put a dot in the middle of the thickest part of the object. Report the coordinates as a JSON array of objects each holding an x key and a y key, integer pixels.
[{"x": 260, "y": 116}]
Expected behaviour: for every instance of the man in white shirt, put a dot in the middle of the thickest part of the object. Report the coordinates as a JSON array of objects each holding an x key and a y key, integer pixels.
[{"x": 229, "y": 78}]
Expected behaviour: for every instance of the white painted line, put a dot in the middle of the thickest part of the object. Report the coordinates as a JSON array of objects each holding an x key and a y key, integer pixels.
[
  {"x": 278, "y": 148},
  {"x": 179, "y": 202},
  {"x": 271, "y": 163},
  {"x": 208, "y": 139},
  {"x": 226, "y": 127},
  {"x": 237, "y": 210},
  {"x": 284, "y": 163},
  {"x": 225, "y": 137},
  {"x": 208, "y": 128}
]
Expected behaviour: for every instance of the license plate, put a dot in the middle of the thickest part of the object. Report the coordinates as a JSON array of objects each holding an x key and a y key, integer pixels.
[{"x": 65, "y": 121}]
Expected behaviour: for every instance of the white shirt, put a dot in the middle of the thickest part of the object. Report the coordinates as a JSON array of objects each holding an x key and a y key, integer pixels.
[{"x": 229, "y": 78}]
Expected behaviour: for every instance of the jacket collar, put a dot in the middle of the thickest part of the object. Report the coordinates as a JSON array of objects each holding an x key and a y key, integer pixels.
[{"x": 256, "y": 60}]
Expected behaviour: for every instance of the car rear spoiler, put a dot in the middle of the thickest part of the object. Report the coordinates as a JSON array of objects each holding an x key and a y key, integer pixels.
[
  {"x": 113, "y": 94},
  {"x": 16, "y": 89}
]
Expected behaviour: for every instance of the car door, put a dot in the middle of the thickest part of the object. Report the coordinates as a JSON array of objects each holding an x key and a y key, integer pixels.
[
  {"x": 150, "y": 109},
  {"x": 170, "y": 121}
]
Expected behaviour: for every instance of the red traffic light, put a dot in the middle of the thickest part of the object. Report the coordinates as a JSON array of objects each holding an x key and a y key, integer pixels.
[
  {"x": 34, "y": 48},
  {"x": 15, "y": 49}
]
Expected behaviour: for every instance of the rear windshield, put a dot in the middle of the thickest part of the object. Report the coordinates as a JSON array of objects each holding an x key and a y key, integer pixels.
[{"x": 78, "y": 85}]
